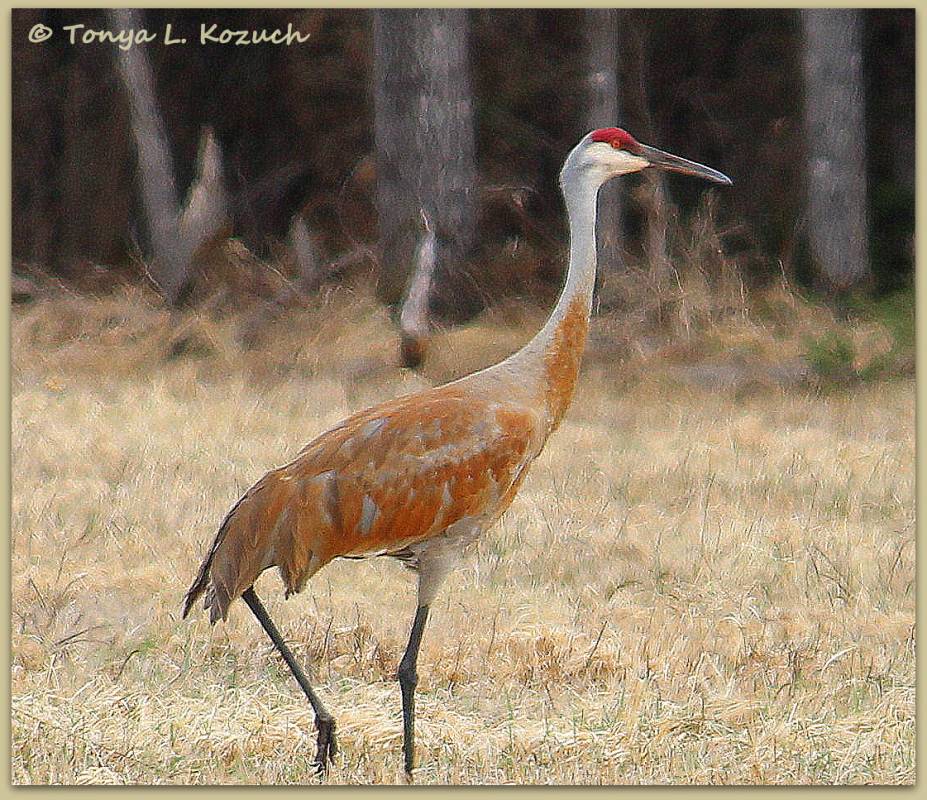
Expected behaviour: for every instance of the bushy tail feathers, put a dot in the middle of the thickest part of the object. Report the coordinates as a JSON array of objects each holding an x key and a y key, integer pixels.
[
  {"x": 259, "y": 532},
  {"x": 217, "y": 598},
  {"x": 197, "y": 588},
  {"x": 218, "y": 595}
]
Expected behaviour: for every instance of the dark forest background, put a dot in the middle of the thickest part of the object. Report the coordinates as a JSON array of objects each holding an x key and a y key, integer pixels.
[{"x": 296, "y": 126}]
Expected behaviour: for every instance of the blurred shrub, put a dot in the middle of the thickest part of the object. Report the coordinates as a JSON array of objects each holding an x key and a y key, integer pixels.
[
  {"x": 896, "y": 313},
  {"x": 831, "y": 356}
]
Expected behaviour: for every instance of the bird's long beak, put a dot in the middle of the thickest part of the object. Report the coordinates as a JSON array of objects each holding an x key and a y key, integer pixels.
[{"x": 671, "y": 163}]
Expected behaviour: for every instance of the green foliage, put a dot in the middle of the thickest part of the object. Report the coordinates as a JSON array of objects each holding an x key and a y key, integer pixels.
[
  {"x": 896, "y": 312},
  {"x": 831, "y": 356}
]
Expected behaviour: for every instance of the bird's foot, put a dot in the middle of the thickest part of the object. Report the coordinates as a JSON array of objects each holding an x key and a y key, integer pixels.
[
  {"x": 409, "y": 753},
  {"x": 327, "y": 744}
]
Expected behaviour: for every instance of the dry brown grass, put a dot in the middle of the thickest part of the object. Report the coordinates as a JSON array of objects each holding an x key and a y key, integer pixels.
[{"x": 694, "y": 586}]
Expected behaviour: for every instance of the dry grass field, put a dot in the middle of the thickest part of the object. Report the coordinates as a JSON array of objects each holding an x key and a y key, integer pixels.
[{"x": 707, "y": 578}]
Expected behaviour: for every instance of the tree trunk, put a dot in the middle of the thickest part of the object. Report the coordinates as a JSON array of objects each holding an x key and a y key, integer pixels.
[
  {"x": 424, "y": 132},
  {"x": 651, "y": 194},
  {"x": 601, "y": 30},
  {"x": 836, "y": 146},
  {"x": 413, "y": 321},
  {"x": 205, "y": 217},
  {"x": 169, "y": 264},
  {"x": 71, "y": 207},
  {"x": 35, "y": 157}
]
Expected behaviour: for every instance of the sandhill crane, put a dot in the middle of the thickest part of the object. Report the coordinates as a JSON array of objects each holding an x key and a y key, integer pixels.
[{"x": 422, "y": 476}]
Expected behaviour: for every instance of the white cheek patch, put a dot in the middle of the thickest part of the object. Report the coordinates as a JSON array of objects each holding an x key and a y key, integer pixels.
[{"x": 624, "y": 161}]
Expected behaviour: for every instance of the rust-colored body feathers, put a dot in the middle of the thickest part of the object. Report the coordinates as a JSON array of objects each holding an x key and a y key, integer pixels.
[
  {"x": 387, "y": 480},
  {"x": 422, "y": 476}
]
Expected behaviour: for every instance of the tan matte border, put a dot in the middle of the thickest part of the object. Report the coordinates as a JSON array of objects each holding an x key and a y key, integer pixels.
[{"x": 6, "y": 476}]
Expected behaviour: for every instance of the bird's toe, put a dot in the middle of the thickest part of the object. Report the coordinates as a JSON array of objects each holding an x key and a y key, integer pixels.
[{"x": 327, "y": 745}]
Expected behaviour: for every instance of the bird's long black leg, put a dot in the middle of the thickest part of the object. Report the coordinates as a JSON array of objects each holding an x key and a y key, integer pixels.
[
  {"x": 408, "y": 678},
  {"x": 324, "y": 722}
]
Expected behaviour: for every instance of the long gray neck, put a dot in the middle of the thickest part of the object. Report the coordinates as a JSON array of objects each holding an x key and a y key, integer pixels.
[{"x": 579, "y": 192}]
